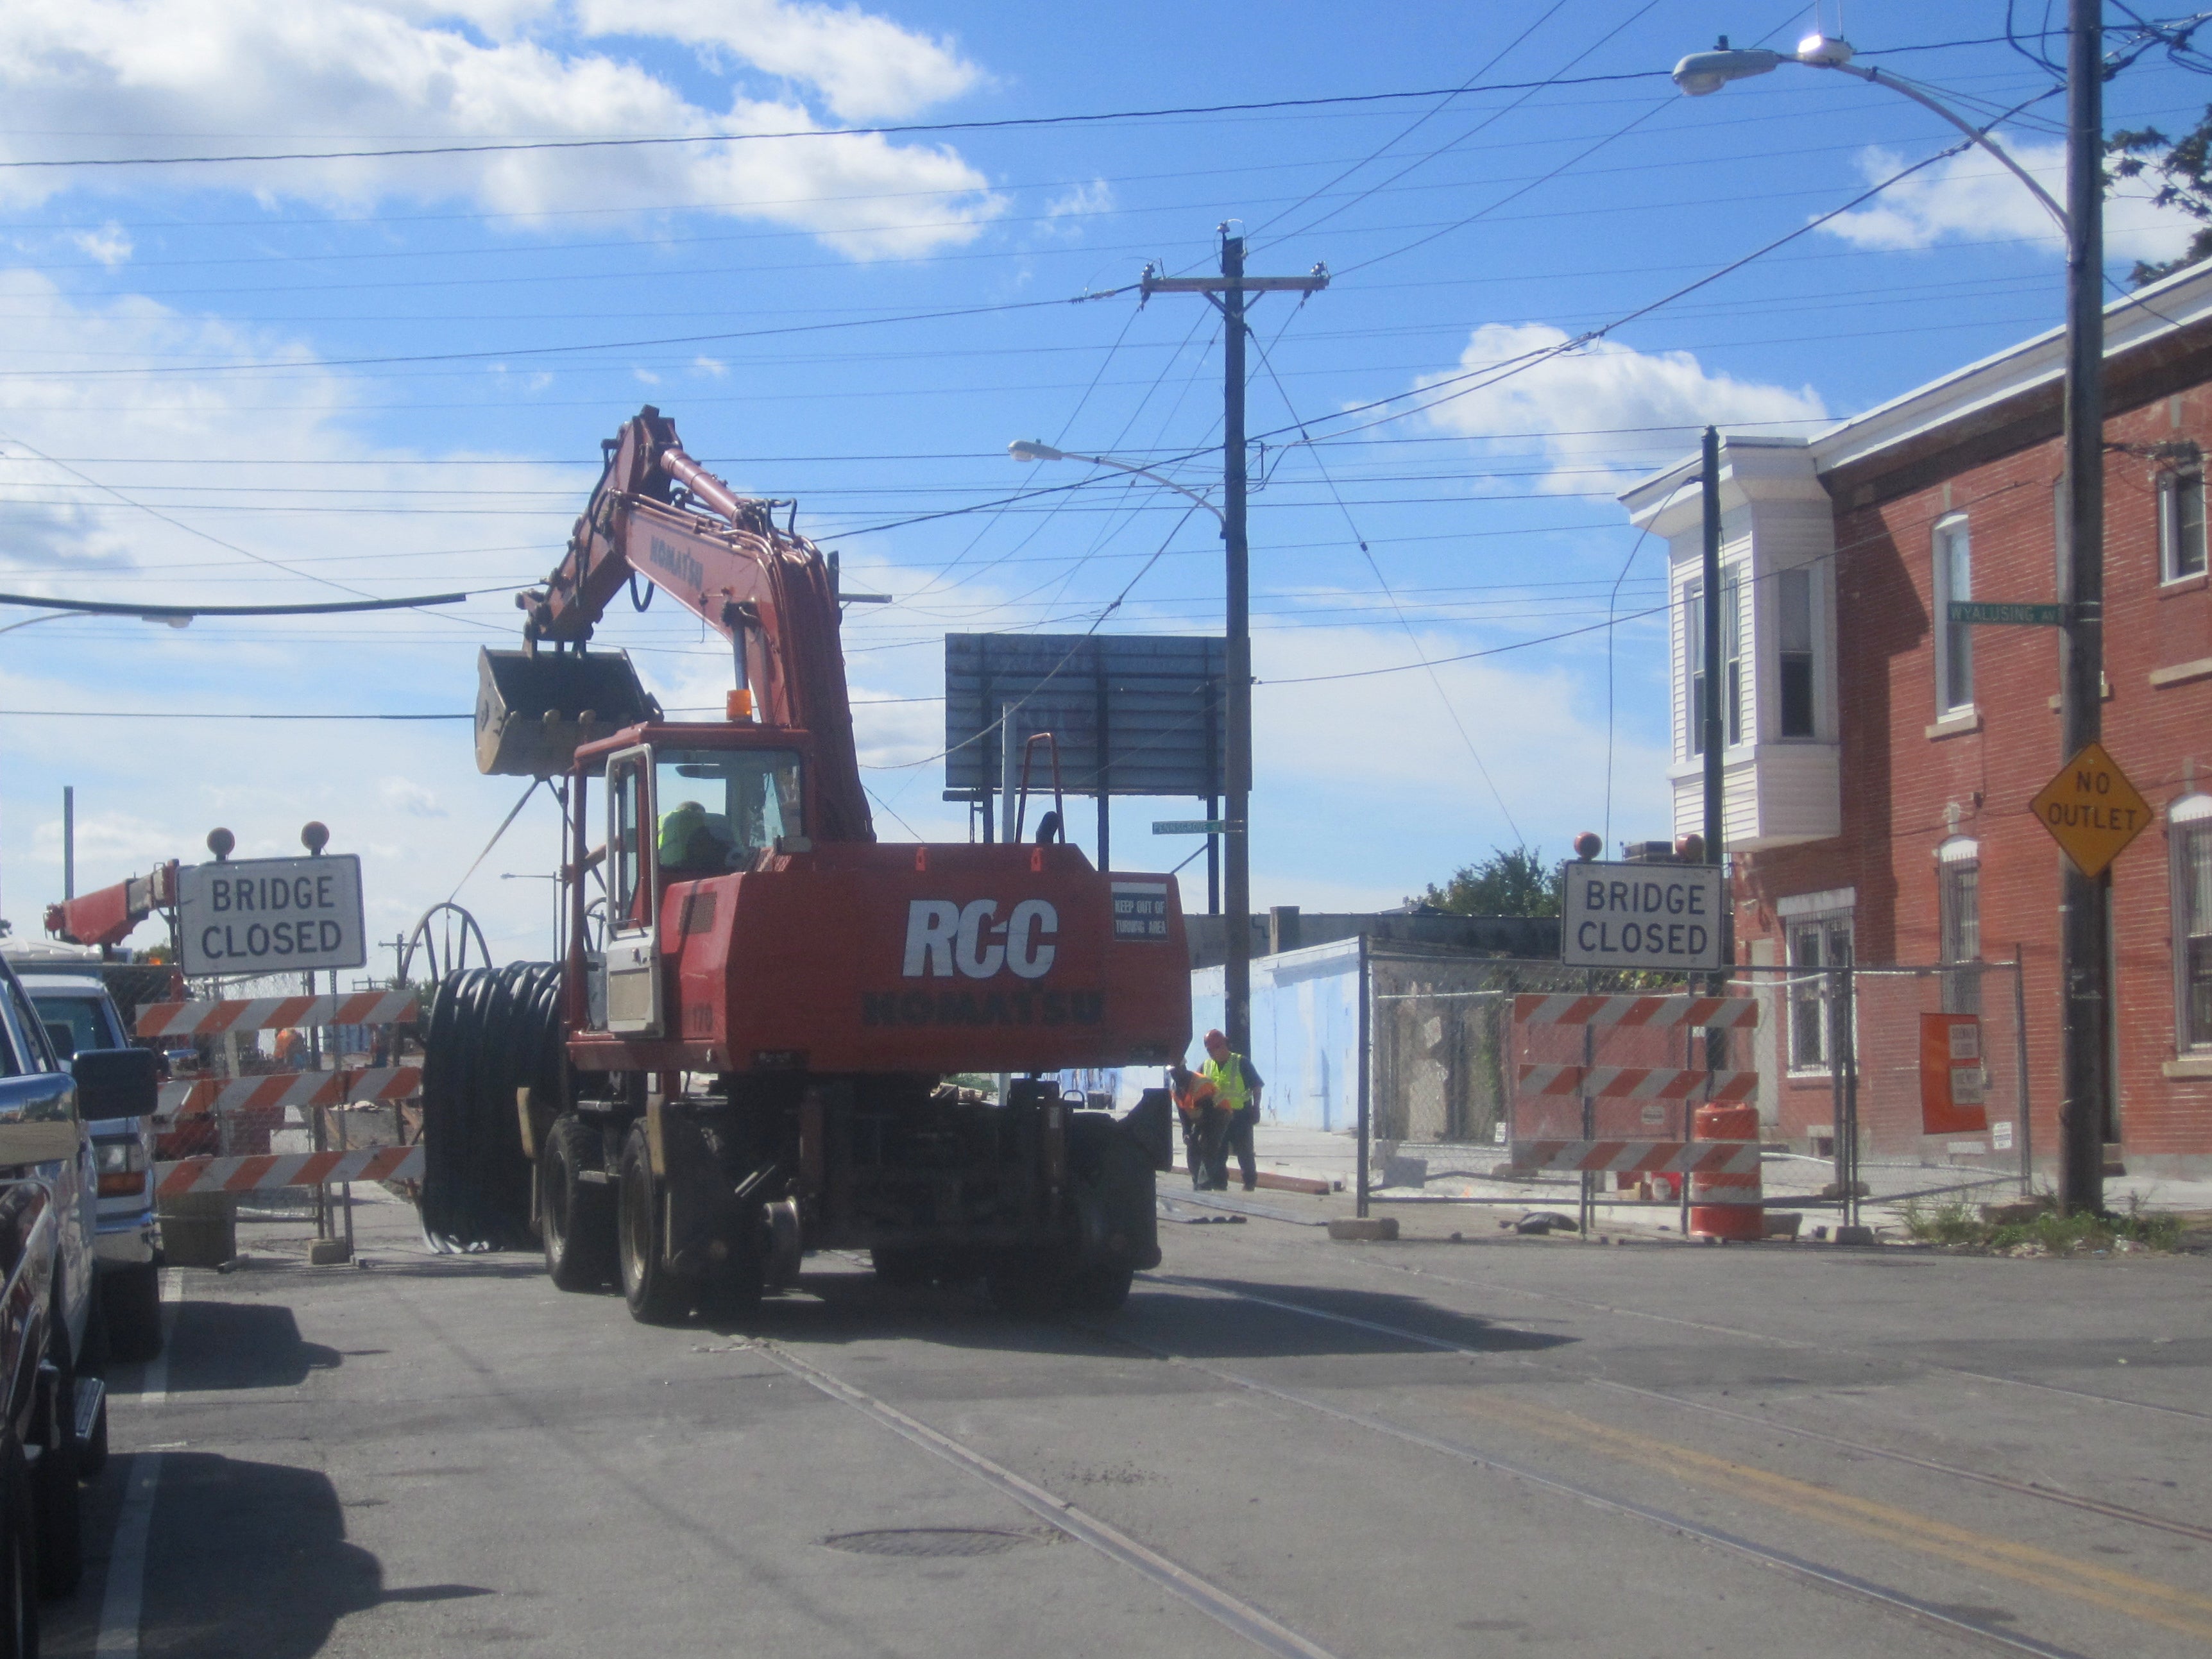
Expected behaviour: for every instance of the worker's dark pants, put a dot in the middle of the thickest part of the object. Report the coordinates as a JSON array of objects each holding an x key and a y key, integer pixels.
[
  {"x": 1204, "y": 1134},
  {"x": 1238, "y": 1140}
]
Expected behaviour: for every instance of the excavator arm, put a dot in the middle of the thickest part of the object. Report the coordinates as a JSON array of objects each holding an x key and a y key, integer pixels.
[{"x": 658, "y": 514}]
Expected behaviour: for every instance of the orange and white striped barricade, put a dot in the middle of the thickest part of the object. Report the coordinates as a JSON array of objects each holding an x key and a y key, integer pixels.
[
  {"x": 1728, "y": 1203},
  {"x": 265, "y": 1170},
  {"x": 250, "y": 1108},
  {"x": 1609, "y": 1111}
]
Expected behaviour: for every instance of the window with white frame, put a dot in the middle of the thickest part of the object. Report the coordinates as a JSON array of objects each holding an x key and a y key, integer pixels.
[
  {"x": 2181, "y": 522},
  {"x": 1954, "y": 642},
  {"x": 2189, "y": 845},
  {"x": 1959, "y": 910},
  {"x": 1819, "y": 942},
  {"x": 1794, "y": 661},
  {"x": 1731, "y": 677}
]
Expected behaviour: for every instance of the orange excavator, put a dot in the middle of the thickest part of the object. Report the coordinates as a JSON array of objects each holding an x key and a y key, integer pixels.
[{"x": 763, "y": 1031}]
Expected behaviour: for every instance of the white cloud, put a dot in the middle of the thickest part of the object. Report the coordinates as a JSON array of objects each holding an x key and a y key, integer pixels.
[
  {"x": 110, "y": 245},
  {"x": 1569, "y": 402},
  {"x": 323, "y": 75},
  {"x": 867, "y": 68},
  {"x": 1970, "y": 197},
  {"x": 1064, "y": 214},
  {"x": 713, "y": 368},
  {"x": 406, "y": 795},
  {"x": 1367, "y": 790}
]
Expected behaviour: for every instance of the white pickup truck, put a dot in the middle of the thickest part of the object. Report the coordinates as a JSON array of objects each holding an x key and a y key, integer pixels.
[{"x": 73, "y": 1004}]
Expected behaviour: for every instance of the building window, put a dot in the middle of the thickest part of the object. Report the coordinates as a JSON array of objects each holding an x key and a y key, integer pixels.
[
  {"x": 1954, "y": 642},
  {"x": 2189, "y": 840},
  {"x": 1959, "y": 908},
  {"x": 1694, "y": 625},
  {"x": 1820, "y": 1020},
  {"x": 2181, "y": 524},
  {"x": 1793, "y": 604}
]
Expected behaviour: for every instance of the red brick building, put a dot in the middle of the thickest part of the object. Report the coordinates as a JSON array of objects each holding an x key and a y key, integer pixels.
[{"x": 1879, "y": 763}]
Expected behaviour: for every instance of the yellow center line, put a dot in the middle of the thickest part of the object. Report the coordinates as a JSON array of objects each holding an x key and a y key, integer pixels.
[{"x": 2103, "y": 1587}]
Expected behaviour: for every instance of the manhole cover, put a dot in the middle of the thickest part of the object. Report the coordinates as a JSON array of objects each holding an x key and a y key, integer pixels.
[{"x": 929, "y": 1541}]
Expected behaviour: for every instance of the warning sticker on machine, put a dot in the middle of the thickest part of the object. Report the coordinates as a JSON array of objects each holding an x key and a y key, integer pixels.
[{"x": 1140, "y": 909}]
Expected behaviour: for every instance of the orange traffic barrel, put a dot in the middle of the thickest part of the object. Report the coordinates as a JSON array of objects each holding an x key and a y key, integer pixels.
[{"x": 1726, "y": 1206}]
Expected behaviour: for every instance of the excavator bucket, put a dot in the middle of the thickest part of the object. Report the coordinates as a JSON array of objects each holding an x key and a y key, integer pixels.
[{"x": 533, "y": 712}]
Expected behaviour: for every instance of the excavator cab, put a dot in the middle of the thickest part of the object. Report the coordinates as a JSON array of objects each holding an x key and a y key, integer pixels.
[{"x": 685, "y": 804}]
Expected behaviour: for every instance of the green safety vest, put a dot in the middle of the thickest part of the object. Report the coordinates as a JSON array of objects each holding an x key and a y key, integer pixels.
[{"x": 1227, "y": 1077}]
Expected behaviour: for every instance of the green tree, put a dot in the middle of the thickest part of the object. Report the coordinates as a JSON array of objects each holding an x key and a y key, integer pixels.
[
  {"x": 2183, "y": 168},
  {"x": 1513, "y": 881}
]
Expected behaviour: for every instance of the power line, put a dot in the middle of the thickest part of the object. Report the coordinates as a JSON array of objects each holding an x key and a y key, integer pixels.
[{"x": 900, "y": 130}]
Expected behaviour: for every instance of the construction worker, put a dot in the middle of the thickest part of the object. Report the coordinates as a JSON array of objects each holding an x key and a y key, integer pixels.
[
  {"x": 1237, "y": 1085},
  {"x": 1203, "y": 1124},
  {"x": 689, "y": 841}
]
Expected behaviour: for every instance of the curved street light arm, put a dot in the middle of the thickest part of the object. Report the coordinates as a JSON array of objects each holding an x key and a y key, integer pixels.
[
  {"x": 1026, "y": 450},
  {"x": 1979, "y": 135}
]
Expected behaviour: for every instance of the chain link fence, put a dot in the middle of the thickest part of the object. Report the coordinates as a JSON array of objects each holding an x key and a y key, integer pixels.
[{"x": 1884, "y": 1082}]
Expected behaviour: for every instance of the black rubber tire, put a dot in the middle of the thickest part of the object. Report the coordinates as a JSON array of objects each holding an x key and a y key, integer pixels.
[
  {"x": 56, "y": 1503},
  {"x": 577, "y": 1217},
  {"x": 655, "y": 1295},
  {"x": 131, "y": 1298},
  {"x": 1098, "y": 1290},
  {"x": 18, "y": 1568}
]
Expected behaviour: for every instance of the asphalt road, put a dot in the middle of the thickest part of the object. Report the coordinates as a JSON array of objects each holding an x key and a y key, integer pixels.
[{"x": 1282, "y": 1445}]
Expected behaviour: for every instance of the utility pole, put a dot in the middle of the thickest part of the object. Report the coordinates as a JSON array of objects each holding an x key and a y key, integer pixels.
[
  {"x": 68, "y": 841},
  {"x": 1226, "y": 292},
  {"x": 2084, "y": 907}
]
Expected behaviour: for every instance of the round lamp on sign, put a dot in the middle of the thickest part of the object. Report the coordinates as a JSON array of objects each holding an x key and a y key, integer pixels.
[
  {"x": 1588, "y": 846},
  {"x": 1690, "y": 848},
  {"x": 314, "y": 835},
  {"x": 219, "y": 842}
]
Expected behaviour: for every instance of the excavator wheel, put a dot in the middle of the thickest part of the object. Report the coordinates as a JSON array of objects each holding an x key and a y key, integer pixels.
[
  {"x": 576, "y": 1211},
  {"x": 656, "y": 1296}
]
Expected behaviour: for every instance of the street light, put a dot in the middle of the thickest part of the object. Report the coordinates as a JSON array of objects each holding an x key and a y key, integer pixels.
[
  {"x": 2085, "y": 919},
  {"x": 1703, "y": 73},
  {"x": 1029, "y": 449}
]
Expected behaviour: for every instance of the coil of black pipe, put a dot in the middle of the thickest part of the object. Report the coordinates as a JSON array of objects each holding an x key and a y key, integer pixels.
[{"x": 492, "y": 1031}]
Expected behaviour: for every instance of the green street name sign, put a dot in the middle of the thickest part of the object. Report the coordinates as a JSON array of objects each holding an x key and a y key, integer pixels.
[
  {"x": 1193, "y": 827},
  {"x": 1971, "y": 612}
]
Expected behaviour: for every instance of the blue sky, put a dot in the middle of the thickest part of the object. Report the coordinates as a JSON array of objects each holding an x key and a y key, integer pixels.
[{"x": 289, "y": 380}]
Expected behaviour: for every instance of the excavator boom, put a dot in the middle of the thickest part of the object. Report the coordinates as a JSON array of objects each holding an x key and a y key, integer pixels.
[{"x": 659, "y": 515}]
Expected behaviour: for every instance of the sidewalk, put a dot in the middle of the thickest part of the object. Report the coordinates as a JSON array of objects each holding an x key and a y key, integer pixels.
[{"x": 1462, "y": 1170}]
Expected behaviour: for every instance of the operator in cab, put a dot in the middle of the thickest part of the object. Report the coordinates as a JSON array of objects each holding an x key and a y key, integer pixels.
[{"x": 691, "y": 843}]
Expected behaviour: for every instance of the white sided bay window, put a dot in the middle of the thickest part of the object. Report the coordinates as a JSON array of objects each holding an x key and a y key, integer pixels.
[{"x": 1772, "y": 679}]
